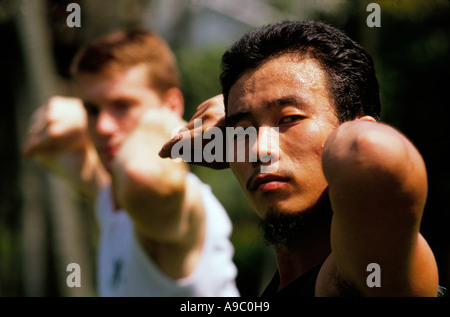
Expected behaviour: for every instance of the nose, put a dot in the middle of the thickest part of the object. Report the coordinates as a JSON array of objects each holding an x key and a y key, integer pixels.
[
  {"x": 266, "y": 149},
  {"x": 106, "y": 123}
]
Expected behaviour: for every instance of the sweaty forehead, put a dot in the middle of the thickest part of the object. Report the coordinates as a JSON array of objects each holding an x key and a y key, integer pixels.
[{"x": 286, "y": 75}]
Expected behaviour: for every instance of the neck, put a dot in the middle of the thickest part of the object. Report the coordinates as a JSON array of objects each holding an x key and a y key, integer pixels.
[
  {"x": 116, "y": 203},
  {"x": 300, "y": 256}
]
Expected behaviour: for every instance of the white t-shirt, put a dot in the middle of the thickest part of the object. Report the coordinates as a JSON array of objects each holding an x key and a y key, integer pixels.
[{"x": 124, "y": 269}]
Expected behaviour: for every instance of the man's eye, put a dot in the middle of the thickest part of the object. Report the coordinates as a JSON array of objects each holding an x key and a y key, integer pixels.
[
  {"x": 122, "y": 104},
  {"x": 91, "y": 109},
  {"x": 290, "y": 119},
  {"x": 241, "y": 132}
]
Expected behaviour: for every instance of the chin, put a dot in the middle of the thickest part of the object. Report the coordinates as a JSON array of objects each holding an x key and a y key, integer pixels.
[
  {"x": 281, "y": 208},
  {"x": 108, "y": 164},
  {"x": 282, "y": 227}
]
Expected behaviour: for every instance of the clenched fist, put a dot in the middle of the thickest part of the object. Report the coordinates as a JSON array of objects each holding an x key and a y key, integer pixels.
[
  {"x": 211, "y": 114},
  {"x": 56, "y": 127}
]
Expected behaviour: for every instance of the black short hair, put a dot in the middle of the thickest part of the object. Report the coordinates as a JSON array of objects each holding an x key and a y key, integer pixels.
[{"x": 350, "y": 71}]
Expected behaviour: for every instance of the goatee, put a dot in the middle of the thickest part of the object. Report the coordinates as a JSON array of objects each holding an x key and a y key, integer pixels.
[{"x": 283, "y": 229}]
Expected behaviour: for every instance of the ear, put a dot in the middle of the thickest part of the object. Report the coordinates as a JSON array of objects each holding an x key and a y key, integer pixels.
[
  {"x": 173, "y": 99},
  {"x": 367, "y": 118}
]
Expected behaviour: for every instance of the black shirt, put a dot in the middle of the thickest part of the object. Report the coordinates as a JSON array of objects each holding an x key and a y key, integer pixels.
[{"x": 304, "y": 286}]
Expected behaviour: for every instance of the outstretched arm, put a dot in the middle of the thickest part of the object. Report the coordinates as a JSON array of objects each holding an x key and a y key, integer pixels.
[
  {"x": 167, "y": 213},
  {"x": 378, "y": 188}
]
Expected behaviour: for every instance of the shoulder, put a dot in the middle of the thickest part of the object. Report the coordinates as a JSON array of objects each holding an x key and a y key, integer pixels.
[
  {"x": 374, "y": 163},
  {"x": 370, "y": 146},
  {"x": 103, "y": 203},
  {"x": 216, "y": 216}
]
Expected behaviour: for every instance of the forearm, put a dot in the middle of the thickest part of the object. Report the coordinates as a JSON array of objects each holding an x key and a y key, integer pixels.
[
  {"x": 151, "y": 189},
  {"x": 80, "y": 168},
  {"x": 377, "y": 188}
]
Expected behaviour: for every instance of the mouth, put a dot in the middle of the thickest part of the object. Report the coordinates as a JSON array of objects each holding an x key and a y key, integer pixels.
[
  {"x": 266, "y": 182},
  {"x": 109, "y": 151}
]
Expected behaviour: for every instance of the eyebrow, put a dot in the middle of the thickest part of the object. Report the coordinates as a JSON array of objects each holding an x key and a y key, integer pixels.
[
  {"x": 231, "y": 121},
  {"x": 296, "y": 101},
  {"x": 109, "y": 99}
]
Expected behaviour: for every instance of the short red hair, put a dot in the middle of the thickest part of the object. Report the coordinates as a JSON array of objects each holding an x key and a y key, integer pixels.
[{"x": 127, "y": 48}]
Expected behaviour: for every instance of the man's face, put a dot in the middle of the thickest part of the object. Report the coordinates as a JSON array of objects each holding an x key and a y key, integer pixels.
[
  {"x": 115, "y": 104},
  {"x": 290, "y": 94}
]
